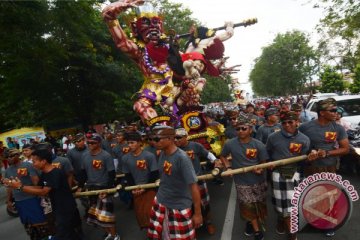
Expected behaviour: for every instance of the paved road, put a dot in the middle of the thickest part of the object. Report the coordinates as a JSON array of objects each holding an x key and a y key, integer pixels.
[{"x": 225, "y": 216}]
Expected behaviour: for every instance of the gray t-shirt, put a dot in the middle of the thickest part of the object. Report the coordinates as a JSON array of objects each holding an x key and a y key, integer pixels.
[
  {"x": 63, "y": 164},
  {"x": 108, "y": 146},
  {"x": 153, "y": 150},
  {"x": 230, "y": 132},
  {"x": 24, "y": 171},
  {"x": 282, "y": 145},
  {"x": 323, "y": 137},
  {"x": 176, "y": 174},
  {"x": 140, "y": 166},
  {"x": 97, "y": 167},
  {"x": 265, "y": 130},
  {"x": 119, "y": 151},
  {"x": 196, "y": 151},
  {"x": 243, "y": 155},
  {"x": 74, "y": 155}
]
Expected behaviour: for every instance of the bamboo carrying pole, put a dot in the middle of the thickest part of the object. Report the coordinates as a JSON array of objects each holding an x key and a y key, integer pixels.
[
  {"x": 97, "y": 192},
  {"x": 213, "y": 174}
]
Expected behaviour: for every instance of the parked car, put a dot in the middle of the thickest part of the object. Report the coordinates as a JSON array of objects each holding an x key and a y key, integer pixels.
[
  {"x": 350, "y": 104},
  {"x": 324, "y": 95}
]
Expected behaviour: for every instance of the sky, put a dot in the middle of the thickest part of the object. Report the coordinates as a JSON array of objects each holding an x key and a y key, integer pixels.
[{"x": 274, "y": 16}]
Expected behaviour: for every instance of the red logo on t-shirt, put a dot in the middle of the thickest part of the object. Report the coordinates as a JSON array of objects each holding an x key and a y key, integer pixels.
[
  {"x": 330, "y": 136},
  {"x": 97, "y": 164},
  {"x": 251, "y": 152},
  {"x": 295, "y": 147},
  {"x": 125, "y": 150},
  {"x": 167, "y": 167},
  {"x": 141, "y": 164},
  {"x": 22, "y": 172},
  {"x": 56, "y": 165},
  {"x": 191, "y": 154}
]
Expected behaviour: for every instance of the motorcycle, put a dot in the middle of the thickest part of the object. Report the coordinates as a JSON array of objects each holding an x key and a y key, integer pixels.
[{"x": 351, "y": 162}]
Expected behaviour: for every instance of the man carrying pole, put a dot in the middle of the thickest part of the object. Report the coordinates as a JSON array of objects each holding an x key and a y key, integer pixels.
[
  {"x": 195, "y": 151},
  {"x": 251, "y": 186},
  {"x": 140, "y": 167},
  {"x": 171, "y": 214},
  {"x": 98, "y": 171},
  {"x": 288, "y": 142}
]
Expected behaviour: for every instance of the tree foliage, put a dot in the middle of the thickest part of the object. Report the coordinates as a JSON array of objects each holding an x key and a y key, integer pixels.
[
  {"x": 340, "y": 29},
  {"x": 355, "y": 86},
  {"x": 284, "y": 66},
  {"x": 331, "y": 80},
  {"x": 60, "y": 65}
]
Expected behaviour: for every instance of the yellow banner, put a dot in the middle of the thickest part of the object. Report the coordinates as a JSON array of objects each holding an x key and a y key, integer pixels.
[{"x": 23, "y": 135}]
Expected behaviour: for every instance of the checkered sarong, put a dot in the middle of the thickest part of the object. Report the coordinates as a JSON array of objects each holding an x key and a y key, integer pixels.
[
  {"x": 204, "y": 193},
  {"x": 282, "y": 192},
  {"x": 101, "y": 212},
  {"x": 170, "y": 224}
]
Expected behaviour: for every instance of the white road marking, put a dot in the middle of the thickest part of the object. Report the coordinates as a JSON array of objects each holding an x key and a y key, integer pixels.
[{"x": 230, "y": 214}]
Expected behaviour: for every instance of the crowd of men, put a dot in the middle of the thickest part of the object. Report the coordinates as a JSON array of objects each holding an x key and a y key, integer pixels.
[{"x": 42, "y": 184}]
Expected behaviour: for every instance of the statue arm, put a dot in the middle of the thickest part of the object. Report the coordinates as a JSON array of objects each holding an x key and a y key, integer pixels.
[
  {"x": 110, "y": 14},
  {"x": 229, "y": 32}
]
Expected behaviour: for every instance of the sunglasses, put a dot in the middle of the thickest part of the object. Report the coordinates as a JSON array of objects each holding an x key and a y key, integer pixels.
[
  {"x": 334, "y": 110},
  {"x": 78, "y": 141},
  {"x": 287, "y": 122},
  {"x": 178, "y": 137},
  {"x": 233, "y": 119},
  {"x": 91, "y": 143},
  {"x": 241, "y": 129},
  {"x": 156, "y": 139}
]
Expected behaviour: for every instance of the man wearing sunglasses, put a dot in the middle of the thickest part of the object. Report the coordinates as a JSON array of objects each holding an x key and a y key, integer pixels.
[
  {"x": 196, "y": 151},
  {"x": 140, "y": 167},
  {"x": 230, "y": 131},
  {"x": 74, "y": 155},
  {"x": 270, "y": 126},
  {"x": 171, "y": 214},
  {"x": 98, "y": 171},
  {"x": 251, "y": 187},
  {"x": 328, "y": 141},
  {"x": 288, "y": 142}
]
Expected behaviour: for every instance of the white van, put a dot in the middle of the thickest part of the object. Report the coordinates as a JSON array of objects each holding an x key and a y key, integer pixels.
[{"x": 350, "y": 104}]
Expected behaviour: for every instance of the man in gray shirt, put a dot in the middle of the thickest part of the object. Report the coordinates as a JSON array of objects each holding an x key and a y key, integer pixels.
[
  {"x": 99, "y": 173},
  {"x": 288, "y": 142},
  {"x": 196, "y": 151},
  {"x": 28, "y": 206},
  {"x": 270, "y": 126},
  {"x": 171, "y": 214},
  {"x": 328, "y": 141},
  {"x": 251, "y": 187},
  {"x": 140, "y": 167},
  {"x": 75, "y": 155}
]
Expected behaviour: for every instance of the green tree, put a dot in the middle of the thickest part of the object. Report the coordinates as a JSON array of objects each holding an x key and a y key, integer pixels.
[
  {"x": 331, "y": 80},
  {"x": 60, "y": 65},
  {"x": 355, "y": 86},
  {"x": 216, "y": 90},
  {"x": 340, "y": 29},
  {"x": 285, "y": 65}
]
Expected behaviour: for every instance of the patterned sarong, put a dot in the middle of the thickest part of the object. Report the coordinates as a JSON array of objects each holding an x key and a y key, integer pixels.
[
  {"x": 170, "y": 224},
  {"x": 282, "y": 192},
  {"x": 252, "y": 201},
  {"x": 204, "y": 193},
  {"x": 101, "y": 212},
  {"x": 142, "y": 207}
]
